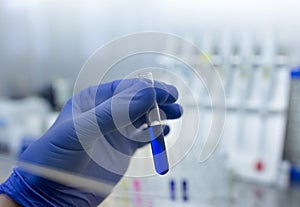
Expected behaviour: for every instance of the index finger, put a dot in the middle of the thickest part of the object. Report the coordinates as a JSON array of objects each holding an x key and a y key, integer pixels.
[{"x": 165, "y": 93}]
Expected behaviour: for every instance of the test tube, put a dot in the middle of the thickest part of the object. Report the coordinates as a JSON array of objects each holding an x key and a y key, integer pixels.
[
  {"x": 156, "y": 139},
  {"x": 184, "y": 191},
  {"x": 172, "y": 190}
]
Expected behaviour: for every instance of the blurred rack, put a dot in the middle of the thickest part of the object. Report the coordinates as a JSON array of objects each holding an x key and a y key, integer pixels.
[{"x": 255, "y": 76}]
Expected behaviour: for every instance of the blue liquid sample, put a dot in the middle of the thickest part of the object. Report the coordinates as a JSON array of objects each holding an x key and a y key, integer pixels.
[
  {"x": 184, "y": 191},
  {"x": 159, "y": 152},
  {"x": 172, "y": 190}
]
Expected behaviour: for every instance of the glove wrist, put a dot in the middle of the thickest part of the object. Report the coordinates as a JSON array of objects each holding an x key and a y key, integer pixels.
[{"x": 21, "y": 192}]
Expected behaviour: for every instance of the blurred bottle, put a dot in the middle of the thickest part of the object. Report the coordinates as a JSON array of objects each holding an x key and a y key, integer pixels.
[
  {"x": 3, "y": 136},
  {"x": 20, "y": 120},
  {"x": 62, "y": 91},
  {"x": 283, "y": 175},
  {"x": 56, "y": 93},
  {"x": 292, "y": 150}
]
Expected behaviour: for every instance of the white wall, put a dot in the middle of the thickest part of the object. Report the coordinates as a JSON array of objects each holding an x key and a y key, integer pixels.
[{"x": 42, "y": 39}]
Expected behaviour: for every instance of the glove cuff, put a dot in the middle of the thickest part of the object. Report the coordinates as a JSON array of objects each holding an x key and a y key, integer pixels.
[{"x": 21, "y": 192}]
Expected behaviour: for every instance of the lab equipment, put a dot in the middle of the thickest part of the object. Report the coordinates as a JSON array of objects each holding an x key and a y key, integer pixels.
[
  {"x": 185, "y": 197},
  {"x": 3, "y": 136},
  {"x": 256, "y": 110},
  {"x": 19, "y": 119},
  {"x": 292, "y": 151},
  {"x": 60, "y": 146},
  {"x": 172, "y": 190},
  {"x": 255, "y": 72},
  {"x": 157, "y": 138}
]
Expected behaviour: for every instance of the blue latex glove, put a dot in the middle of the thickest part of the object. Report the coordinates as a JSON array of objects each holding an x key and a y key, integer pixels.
[{"x": 60, "y": 147}]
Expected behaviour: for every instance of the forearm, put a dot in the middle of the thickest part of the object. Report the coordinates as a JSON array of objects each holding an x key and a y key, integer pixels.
[{"x": 6, "y": 201}]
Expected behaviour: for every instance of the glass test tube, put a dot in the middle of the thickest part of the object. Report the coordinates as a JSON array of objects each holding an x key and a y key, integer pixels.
[{"x": 156, "y": 134}]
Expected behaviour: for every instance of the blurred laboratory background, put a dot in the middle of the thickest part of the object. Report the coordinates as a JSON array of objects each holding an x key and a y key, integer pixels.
[{"x": 255, "y": 47}]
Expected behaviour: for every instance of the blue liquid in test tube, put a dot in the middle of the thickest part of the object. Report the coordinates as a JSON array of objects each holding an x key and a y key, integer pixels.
[
  {"x": 184, "y": 191},
  {"x": 156, "y": 134},
  {"x": 172, "y": 190}
]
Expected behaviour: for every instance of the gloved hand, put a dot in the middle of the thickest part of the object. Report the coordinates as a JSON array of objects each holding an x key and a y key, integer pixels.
[{"x": 75, "y": 136}]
